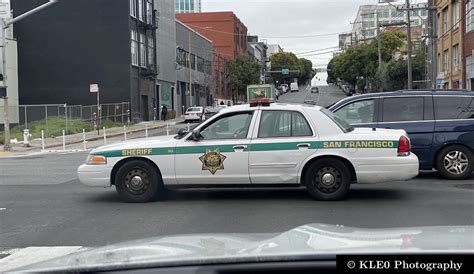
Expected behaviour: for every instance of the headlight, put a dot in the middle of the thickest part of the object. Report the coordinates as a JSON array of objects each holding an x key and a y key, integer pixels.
[{"x": 96, "y": 160}]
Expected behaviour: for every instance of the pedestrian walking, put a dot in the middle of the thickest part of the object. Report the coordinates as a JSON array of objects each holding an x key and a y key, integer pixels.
[
  {"x": 164, "y": 112},
  {"x": 277, "y": 94}
]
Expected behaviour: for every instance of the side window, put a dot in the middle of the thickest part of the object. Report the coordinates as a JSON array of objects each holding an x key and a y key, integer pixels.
[
  {"x": 276, "y": 123},
  {"x": 403, "y": 109},
  {"x": 358, "y": 112},
  {"x": 454, "y": 107},
  {"x": 234, "y": 126}
]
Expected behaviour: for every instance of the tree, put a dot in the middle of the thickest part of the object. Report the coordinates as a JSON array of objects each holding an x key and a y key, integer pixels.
[
  {"x": 243, "y": 71},
  {"x": 284, "y": 60},
  {"x": 306, "y": 70},
  {"x": 361, "y": 61}
]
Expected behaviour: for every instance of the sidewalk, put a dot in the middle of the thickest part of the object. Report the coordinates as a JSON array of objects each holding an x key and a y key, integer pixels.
[{"x": 57, "y": 142}]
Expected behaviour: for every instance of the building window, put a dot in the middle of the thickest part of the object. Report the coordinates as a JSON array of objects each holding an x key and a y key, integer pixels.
[
  {"x": 142, "y": 50},
  {"x": 456, "y": 57},
  {"x": 415, "y": 22},
  {"x": 186, "y": 6},
  {"x": 469, "y": 15},
  {"x": 134, "y": 47},
  {"x": 151, "y": 51},
  {"x": 440, "y": 67},
  {"x": 149, "y": 12},
  {"x": 445, "y": 20},
  {"x": 414, "y": 13},
  {"x": 133, "y": 8},
  {"x": 423, "y": 13},
  {"x": 456, "y": 13},
  {"x": 191, "y": 5},
  {"x": 140, "y": 10},
  {"x": 383, "y": 13},
  {"x": 176, "y": 8},
  {"x": 193, "y": 61},
  {"x": 446, "y": 61}
]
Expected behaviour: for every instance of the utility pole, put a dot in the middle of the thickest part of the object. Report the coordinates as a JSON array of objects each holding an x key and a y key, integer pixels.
[
  {"x": 190, "y": 72},
  {"x": 410, "y": 80},
  {"x": 433, "y": 42},
  {"x": 4, "y": 26}
]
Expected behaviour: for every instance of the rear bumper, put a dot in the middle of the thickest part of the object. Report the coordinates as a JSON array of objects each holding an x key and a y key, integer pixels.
[
  {"x": 390, "y": 169},
  {"x": 94, "y": 175}
]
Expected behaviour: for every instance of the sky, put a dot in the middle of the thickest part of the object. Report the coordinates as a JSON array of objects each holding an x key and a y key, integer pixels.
[{"x": 282, "y": 18}]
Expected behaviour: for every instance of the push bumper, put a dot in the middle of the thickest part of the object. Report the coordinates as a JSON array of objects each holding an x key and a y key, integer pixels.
[
  {"x": 94, "y": 175},
  {"x": 393, "y": 169}
]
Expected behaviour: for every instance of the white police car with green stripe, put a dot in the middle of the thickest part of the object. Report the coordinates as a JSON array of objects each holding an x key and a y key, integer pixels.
[{"x": 255, "y": 145}]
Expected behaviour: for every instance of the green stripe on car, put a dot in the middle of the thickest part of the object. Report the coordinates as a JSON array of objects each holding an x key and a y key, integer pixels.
[{"x": 252, "y": 147}]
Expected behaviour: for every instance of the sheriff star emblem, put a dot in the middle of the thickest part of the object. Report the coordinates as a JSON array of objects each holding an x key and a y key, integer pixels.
[{"x": 212, "y": 160}]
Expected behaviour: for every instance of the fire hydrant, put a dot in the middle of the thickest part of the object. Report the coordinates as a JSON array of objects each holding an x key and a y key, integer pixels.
[{"x": 26, "y": 137}]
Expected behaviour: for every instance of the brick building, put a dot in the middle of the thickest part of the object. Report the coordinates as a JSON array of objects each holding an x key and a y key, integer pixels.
[
  {"x": 229, "y": 37},
  {"x": 450, "y": 44}
]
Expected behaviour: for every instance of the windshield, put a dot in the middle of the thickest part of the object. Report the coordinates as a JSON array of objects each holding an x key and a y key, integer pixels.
[
  {"x": 341, "y": 123},
  {"x": 194, "y": 110},
  {"x": 340, "y": 126}
]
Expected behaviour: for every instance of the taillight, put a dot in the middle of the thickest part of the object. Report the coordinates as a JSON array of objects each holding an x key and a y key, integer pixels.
[{"x": 404, "y": 146}]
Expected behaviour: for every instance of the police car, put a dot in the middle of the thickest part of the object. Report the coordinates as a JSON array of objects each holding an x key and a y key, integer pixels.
[{"x": 260, "y": 144}]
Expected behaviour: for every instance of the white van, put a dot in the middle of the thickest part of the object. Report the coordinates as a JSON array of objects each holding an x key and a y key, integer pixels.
[{"x": 294, "y": 87}]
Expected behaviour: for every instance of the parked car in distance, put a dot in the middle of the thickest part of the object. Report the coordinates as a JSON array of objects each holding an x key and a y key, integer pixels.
[
  {"x": 314, "y": 90},
  {"x": 294, "y": 87},
  {"x": 193, "y": 114},
  {"x": 439, "y": 123}
]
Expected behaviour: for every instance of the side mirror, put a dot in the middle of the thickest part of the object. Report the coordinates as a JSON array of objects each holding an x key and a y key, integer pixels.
[
  {"x": 195, "y": 135},
  {"x": 182, "y": 131}
]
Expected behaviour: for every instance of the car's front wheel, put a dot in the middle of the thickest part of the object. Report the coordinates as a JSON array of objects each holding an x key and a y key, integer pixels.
[
  {"x": 137, "y": 181},
  {"x": 455, "y": 162},
  {"x": 328, "y": 180}
]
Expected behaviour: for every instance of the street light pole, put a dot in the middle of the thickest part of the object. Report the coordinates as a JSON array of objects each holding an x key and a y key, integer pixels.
[
  {"x": 190, "y": 72},
  {"x": 379, "y": 38},
  {"x": 410, "y": 80},
  {"x": 4, "y": 26}
]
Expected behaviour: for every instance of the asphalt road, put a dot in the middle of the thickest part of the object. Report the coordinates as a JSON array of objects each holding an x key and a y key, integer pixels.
[{"x": 43, "y": 204}]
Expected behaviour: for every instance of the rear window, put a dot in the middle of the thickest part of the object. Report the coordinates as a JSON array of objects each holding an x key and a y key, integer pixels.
[
  {"x": 454, "y": 107},
  {"x": 194, "y": 109}
]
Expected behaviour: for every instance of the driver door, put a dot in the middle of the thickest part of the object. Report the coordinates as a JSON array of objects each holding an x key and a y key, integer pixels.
[{"x": 220, "y": 156}]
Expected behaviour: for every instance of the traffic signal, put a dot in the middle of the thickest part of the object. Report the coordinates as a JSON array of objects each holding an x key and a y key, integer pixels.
[{"x": 1, "y": 77}]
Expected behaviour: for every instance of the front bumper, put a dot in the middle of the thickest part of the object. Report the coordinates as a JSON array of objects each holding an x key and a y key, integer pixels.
[
  {"x": 94, "y": 175},
  {"x": 390, "y": 169}
]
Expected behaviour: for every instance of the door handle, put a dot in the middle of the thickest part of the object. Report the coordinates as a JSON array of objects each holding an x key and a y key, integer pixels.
[
  {"x": 305, "y": 145},
  {"x": 239, "y": 147}
]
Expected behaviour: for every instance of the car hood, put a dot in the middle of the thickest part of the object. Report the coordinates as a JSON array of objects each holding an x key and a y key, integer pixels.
[
  {"x": 152, "y": 142},
  {"x": 311, "y": 241}
]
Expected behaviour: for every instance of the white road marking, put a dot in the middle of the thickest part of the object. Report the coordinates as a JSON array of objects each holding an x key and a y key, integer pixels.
[
  {"x": 25, "y": 256},
  {"x": 3, "y": 208}
]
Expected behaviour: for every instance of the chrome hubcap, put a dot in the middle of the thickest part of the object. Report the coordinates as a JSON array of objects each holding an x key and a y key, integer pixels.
[
  {"x": 456, "y": 162},
  {"x": 327, "y": 179}
]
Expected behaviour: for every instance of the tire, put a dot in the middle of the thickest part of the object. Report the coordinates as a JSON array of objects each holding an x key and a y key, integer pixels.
[
  {"x": 338, "y": 189},
  {"x": 148, "y": 185},
  {"x": 455, "y": 162}
]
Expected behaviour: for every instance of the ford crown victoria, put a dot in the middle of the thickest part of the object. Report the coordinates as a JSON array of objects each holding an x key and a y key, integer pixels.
[{"x": 255, "y": 145}]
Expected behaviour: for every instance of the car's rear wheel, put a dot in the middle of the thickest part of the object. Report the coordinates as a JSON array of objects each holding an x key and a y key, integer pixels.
[
  {"x": 138, "y": 181},
  {"x": 328, "y": 180},
  {"x": 455, "y": 162}
]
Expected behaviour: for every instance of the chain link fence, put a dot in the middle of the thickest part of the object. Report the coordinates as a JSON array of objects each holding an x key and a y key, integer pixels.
[{"x": 53, "y": 117}]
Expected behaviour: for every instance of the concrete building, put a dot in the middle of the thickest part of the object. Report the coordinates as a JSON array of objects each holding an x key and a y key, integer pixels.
[
  {"x": 450, "y": 44},
  {"x": 75, "y": 43},
  {"x": 187, "y": 6},
  {"x": 229, "y": 37},
  {"x": 365, "y": 25},
  {"x": 166, "y": 56},
  {"x": 259, "y": 50},
  {"x": 468, "y": 50},
  {"x": 272, "y": 49},
  {"x": 12, "y": 75},
  {"x": 194, "y": 56}
]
